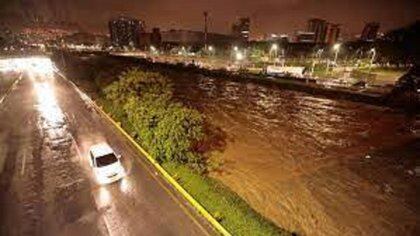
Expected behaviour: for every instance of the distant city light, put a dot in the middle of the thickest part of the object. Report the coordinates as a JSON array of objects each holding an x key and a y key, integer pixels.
[
  {"x": 336, "y": 46},
  {"x": 239, "y": 56},
  {"x": 274, "y": 47}
]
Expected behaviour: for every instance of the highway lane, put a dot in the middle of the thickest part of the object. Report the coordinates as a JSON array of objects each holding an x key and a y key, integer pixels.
[{"x": 47, "y": 187}]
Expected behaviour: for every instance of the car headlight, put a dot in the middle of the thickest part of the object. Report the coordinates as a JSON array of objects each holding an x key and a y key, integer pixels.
[
  {"x": 122, "y": 171},
  {"x": 101, "y": 178}
]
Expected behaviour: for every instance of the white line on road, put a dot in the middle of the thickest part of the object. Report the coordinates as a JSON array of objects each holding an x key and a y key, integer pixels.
[
  {"x": 22, "y": 172},
  {"x": 79, "y": 153},
  {"x": 11, "y": 88}
]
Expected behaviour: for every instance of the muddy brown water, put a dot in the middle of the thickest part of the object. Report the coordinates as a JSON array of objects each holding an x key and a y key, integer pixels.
[{"x": 313, "y": 165}]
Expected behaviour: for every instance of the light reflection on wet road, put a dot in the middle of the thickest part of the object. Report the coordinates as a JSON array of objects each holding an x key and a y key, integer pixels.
[{"x": 47, "y": 187}]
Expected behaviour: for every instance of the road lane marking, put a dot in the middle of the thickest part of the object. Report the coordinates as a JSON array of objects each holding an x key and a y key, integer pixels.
[
  {"x": 163, "y": 173},
  {"x": 79, "y": 153},
  {"x": 10, "y": 89},
  {"x": 22, "y": 172}
]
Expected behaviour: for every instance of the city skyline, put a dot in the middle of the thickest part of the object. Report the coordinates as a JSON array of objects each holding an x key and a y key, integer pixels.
[{"x": 270, "y": 17}]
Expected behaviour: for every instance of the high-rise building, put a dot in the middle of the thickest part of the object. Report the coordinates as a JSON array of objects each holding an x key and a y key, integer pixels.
[
  {"x": 125, "y": 31},
  {"x": 333, "y": 33},
  {"x": 241, "y": 29},
  {"x": 319, "y": 27},
  {"x": 370, "y": 31}
]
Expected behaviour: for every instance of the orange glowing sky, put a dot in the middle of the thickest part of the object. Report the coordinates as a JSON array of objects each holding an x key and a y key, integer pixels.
[{"x": 267, "y": 16}]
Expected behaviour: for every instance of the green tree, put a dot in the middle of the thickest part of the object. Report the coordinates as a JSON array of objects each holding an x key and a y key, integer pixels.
[{"x": 167, "y": 129}]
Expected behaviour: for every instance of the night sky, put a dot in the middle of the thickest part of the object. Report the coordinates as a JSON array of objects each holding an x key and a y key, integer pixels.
[{"x": 267, "y": 16}]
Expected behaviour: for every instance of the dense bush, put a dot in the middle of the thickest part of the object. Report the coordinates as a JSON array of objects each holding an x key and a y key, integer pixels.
[{"x": 167, "y": 129}]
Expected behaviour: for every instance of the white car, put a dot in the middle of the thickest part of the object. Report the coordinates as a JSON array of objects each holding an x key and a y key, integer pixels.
[{"x": 105, "y": 163}]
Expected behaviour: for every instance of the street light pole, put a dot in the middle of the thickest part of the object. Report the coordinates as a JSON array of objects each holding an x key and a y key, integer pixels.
[
  {"x": 274, "y": 48},
  {"x": 372, "y": 59},
  {"x": 336, "y": 49},
  {"x": 239, "y": 57},
  {"x": 206, "y": 14}
]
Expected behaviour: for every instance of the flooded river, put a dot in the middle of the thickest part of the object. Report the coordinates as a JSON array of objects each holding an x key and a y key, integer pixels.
[{"x": 312, "y": 165}]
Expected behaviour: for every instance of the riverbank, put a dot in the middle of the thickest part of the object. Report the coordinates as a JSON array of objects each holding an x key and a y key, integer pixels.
[
  {"x": 307, "y": 85},
  {"x": 381, "y": 94}
]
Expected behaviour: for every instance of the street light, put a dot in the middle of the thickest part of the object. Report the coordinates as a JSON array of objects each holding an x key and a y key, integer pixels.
[
  {"x": 372, "y": 59},
  {"x": 274, "y": 48},
  {"x": 235, "y": 48},
  {"x": 210, "y": 50},
  {"x": 336, "y": 48},
  {"x": 239, "y": 56},
  {"x": 153, "y": 49}
]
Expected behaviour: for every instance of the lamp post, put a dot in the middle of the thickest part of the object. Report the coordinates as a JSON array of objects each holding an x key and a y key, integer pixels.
[
  {"x": 274, "y": 49},
  {"x": 239, "y": 56},
  {"x": 336, "y": 48},
  {"x": 372, "y": 59},
  {"x": 211, "y": 49},
  {"x": 153, "y": 49},
  {"x": 235, "y": 50},
  {"x": 206, "y": 15},
  {"x": 283, "y": 56}
]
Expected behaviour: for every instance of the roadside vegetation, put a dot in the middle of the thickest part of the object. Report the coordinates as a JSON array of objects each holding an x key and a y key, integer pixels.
[
  {"x": 175, "y": 135},
  {"x": 167, "y": 129}
]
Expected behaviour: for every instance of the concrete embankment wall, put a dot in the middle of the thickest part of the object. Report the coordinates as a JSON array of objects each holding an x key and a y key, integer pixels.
[
  {"x": 296, "y": 84},
  {"x": 398, "y": 99}
]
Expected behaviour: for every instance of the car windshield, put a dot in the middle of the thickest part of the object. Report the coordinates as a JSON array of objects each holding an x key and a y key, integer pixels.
[{"x": 106, "y": 160}]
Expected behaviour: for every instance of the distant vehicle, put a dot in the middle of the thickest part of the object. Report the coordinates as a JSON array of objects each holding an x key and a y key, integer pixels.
[
  {"x": 105, "y": 163},
  {"x": 295, "y": 71}
]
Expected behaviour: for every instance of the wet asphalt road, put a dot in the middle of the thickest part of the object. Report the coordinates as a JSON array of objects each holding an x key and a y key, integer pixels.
[{"x": 46, "y": 184}]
